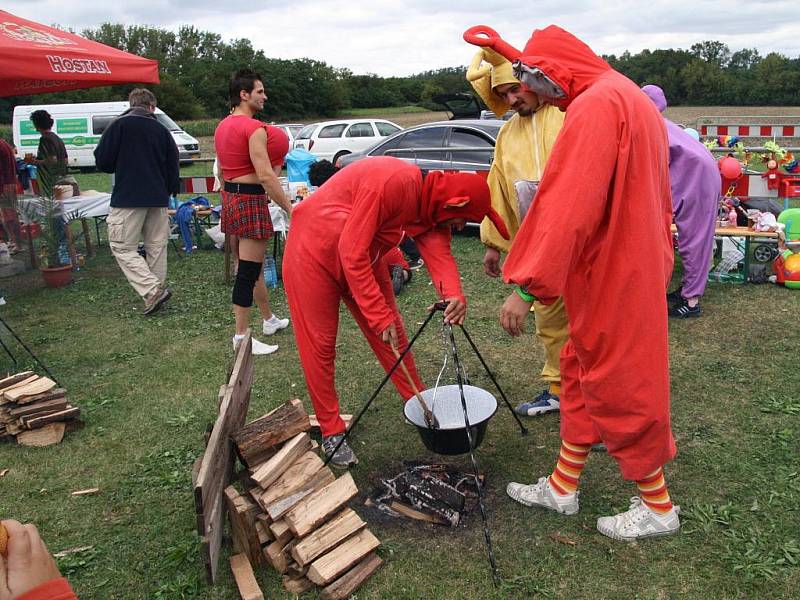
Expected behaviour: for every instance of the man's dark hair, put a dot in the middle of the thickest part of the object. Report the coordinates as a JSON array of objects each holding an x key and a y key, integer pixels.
[
  {"x": 243, "y": 79},
  {"x": 320, "y": 172},
  {"x": 42, "y": 120}
]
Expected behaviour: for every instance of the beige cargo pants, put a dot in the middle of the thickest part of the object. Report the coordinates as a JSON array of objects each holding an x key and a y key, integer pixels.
[{"x": 126, "y": 228}]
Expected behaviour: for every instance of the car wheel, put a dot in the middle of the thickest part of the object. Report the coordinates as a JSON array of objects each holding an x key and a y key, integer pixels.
[{"x": 339, "y": 155}]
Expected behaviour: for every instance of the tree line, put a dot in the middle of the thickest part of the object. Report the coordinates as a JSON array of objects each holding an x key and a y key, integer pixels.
[{"x": 195, "y": 66}]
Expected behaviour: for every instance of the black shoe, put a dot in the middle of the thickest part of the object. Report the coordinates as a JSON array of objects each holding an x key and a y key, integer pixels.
[
  {"x": 684, "y": 311},
  {"x": 157, "y": 301},
  {"x": 397, "y": 279},
  {"x": 676, "y": 295}
]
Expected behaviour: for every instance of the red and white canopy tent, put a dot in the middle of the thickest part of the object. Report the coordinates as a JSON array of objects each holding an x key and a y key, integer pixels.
[{"x": 35, "y": 59}]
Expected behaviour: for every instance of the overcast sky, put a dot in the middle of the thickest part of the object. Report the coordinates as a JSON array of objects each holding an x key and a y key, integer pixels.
[{"x": 409, "y": 36}]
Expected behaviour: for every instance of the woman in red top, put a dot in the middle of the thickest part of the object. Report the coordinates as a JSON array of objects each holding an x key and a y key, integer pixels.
[{"x": 250, "y": 158}]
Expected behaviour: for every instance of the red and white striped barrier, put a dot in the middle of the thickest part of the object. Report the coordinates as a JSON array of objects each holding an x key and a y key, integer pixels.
[{"x": 776, "y": 131}]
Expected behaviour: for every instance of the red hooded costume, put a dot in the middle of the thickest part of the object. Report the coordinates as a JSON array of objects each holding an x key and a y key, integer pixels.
[
  {"x": 598, "y": 234},
  {"x": 336, "y": 252}
]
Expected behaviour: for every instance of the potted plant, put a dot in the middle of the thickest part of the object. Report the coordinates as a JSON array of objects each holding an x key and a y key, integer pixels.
[{"x": 48, "y": 212}]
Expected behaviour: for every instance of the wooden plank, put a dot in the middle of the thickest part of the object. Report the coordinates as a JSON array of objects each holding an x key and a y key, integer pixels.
[
  {"x": 286, "y": 456},
  {"x": 329, "y": 566},
  {"x": 35, "y": 407},
  {"x": 314, "y": 510},
  {"x": 324, "y": 539},
  {"x": 245, "y": 578},
  {"x": 275, "y": 555},
  {"x": 33, "y": 422},
  {"x": 297, "y": 586},
  {"x": 18, "y": 384},
  {"x": 40, "y": 386},
  {"x": 50, "y": 395},
  {"x": 275, "y": 427},
  {"x": 216, "y": 466},
  {"x": 293, "y": 478},
  {"x": 14, "y": 379},
  {"x": 318, "y": 480},
  {"x": 348, "y": 583},
  {"x": 45, "y": 436}
]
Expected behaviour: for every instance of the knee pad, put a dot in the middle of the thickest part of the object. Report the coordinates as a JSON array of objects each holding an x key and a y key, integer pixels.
[{"x": 246, "y": 277}]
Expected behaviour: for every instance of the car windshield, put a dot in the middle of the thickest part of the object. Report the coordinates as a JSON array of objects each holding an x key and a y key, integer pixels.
[{"x": 167, "y": 122}]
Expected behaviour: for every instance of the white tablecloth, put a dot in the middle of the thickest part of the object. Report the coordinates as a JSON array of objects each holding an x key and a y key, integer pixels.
[{"x": 76, "y": 207}]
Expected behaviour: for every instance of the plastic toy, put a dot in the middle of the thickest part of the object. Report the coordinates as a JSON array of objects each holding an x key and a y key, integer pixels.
[
  {"x": 787, "y": 265},
  {"x": 772, "y": 175}
]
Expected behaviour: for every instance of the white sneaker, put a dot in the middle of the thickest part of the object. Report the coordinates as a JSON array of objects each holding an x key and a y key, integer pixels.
[
  {"x": 543, "y": 495},
  {"x": 639, "y": 522},
  {"x": 274, "y": 324},
  {"x": 259, "y": 348}
]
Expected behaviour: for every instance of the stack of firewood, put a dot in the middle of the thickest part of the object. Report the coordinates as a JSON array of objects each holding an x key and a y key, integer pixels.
[
  {"x": 34, "y": 411},
  {"x": 293, "y": 513}
]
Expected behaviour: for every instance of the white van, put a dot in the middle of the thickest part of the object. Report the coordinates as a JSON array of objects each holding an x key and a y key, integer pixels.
[{"x": 80, "y": 127}]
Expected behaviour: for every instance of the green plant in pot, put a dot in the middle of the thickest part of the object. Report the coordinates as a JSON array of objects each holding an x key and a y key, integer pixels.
[{"x": 48, "y": 212}]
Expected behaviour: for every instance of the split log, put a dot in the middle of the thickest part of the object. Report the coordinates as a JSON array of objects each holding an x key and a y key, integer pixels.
[
  {"x": 329, "y": 566},
  {"x": 275, "y": 555},
  {"x": 39, "y": 386},
  {"x": 275, "y": 427},
  {"x": 14, "y": 379},
  {"x": 264, "y": 534},
  {"x": 45, "y": 436},
  {"x": 245, "y": 578},
  {"x": 297, "y": 586},
  {"x": 49, "y": 395},
  {"x": 315, "y": 422},
  {"x": 348, "y": 583},
  {"x": 318, "y": 480},
  {"x": 294, "y": 570},
  {"x": 280, "y": 531},
  {"x": 242, "y": 513},
  {"x": 18, "y": 384},
  {"x": 314, "y": 510},
  {"x": 285, "y": 457},
  {"x": 292, "y": 479},
  {"x": 33, "y": 408},
  {"x": 35, "y": 421},
  {"x": 413, "y": 513},
  {"x": 324, "y": 539}
]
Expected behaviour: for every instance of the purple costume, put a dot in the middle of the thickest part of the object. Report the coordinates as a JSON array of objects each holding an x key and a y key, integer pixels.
[{"x": 695, "y": 182}]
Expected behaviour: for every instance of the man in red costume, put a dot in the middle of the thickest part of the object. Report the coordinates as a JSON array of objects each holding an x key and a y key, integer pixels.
[
  {"x": 598, "y": 234},
  {"x": 336, "y": 252}
]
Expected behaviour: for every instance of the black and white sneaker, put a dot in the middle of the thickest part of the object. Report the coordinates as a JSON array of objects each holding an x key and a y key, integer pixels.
[
  {"x": 684, "y": 311},
  {"x": 415, "y": 265},
  {"x": 344, "y": 457},
  {"x": 675, "y": 296}
]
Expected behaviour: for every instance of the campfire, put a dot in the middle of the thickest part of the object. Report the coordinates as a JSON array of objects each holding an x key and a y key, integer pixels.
[{"x": 433, "y": 492}]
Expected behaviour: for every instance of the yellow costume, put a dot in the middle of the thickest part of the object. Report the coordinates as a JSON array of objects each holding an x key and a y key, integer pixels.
[{"x": 521, "y": 152}]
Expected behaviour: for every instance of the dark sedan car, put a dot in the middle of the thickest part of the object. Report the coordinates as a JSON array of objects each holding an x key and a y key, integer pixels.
[{"x": 459, "y": 145}]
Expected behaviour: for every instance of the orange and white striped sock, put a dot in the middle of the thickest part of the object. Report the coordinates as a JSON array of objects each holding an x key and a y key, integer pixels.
[
  {"x": 571, "y": 461},
  {"x": 653, "y": 491}
]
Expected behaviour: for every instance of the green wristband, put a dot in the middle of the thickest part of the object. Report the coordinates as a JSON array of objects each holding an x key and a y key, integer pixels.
[{"x": 525, "y": 295}]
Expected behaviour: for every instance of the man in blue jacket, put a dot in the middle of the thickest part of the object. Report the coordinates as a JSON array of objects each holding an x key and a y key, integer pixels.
[{"x": 144, "y": 158}]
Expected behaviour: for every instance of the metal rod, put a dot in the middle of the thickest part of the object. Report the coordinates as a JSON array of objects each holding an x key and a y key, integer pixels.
[
  {"x": 522, "y": 429},
  {"x": 8, "y": 351},
  {"x": 487, "y": 536},
  {"x": 38, "y": 362},
  {"x": 389, "y": 373}
]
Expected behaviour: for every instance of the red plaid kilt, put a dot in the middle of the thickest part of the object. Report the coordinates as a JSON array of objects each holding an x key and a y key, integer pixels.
[{"x": 246, "y": 215}]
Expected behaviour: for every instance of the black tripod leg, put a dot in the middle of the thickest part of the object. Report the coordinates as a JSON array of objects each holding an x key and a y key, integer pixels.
[
  {"x": 379, "y": 388},
  {"x": 476, "y": 473},
  {"x": 522, "y": 429},
  {"x": 29, "y": 351}
]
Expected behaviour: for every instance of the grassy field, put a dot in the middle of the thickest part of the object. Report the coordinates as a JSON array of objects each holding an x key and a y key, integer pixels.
[{"x": 148, "y": 388}]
